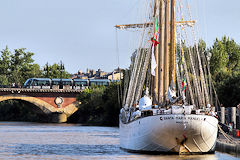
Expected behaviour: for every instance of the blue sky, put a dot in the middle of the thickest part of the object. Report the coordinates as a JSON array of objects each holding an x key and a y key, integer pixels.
[{"x": 81, "y": 33}]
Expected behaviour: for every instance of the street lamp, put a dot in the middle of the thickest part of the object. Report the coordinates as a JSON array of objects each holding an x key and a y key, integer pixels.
[
  {"x": 46, "y": 68},
  {"x": 62, "y": 68}
]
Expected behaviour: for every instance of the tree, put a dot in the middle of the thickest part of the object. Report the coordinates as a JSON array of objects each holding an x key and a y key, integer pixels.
[
  {"x": 35, "y": 71},
  {"x": 55, "y": 71},
  {"x": 22, "y": 66},
  {"x": 17, "y": 67},
  {"x": 233, "y": 52},
  {"x": 225, "y": 56},
  {"x": 225, "y": 63},
  {"x": 4, "y": 66},
  {"x": 91, "y": 108},
  {"x": 228, "y": 90},
  {"x": 219, "y": 58},
  {"x": 111, "y": 105},
  {"x": 99, "y": 105}
]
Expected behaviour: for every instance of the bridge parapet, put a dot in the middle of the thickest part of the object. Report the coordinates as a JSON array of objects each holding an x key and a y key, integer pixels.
[{"x": 40, "y": 90}]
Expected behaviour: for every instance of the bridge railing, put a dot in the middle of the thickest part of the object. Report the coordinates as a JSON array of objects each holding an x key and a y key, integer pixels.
[{"x": 10, "y": 86}]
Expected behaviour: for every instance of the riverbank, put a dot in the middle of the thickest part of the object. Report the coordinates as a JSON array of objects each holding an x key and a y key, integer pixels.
[{"x": 230, "y": 145}]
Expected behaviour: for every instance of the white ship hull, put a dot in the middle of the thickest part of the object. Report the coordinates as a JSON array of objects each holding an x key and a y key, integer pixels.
[{"x": 170, "y": 133}]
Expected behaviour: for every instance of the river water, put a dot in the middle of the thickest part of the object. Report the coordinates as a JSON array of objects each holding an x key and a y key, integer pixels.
[{"x": 21, "y": 140}]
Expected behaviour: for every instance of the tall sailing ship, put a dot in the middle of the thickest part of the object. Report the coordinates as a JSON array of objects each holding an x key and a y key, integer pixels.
[{"x": 167, "y": 97}]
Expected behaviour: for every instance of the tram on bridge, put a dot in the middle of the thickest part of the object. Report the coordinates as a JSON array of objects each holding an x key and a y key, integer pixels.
[{"x": 47, "y": 83}]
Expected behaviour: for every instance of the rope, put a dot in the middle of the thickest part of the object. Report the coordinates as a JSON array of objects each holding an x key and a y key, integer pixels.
[
  {"x": 140, "y": 72},
  {"x": 199, "y": 59},
  {"x": 196, "y": 83},
  {"x": 228, "y": 137},
  {"x": 135, "y": 76},
  {"x": 216, "y": 96},
  {"x": 119, "y": 88}
]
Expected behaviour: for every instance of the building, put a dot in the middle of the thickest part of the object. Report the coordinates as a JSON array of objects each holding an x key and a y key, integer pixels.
[{"x": 99, "y": 74}]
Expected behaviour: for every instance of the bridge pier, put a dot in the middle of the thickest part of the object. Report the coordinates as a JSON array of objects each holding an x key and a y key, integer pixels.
[{"x": 58, "y": 117}]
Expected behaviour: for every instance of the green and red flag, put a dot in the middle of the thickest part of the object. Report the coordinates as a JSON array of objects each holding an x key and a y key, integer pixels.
[
  {"x": 184, "y": 85},
  {"x": 155, "y": 42},
  {"x": 156, "y": 33}
]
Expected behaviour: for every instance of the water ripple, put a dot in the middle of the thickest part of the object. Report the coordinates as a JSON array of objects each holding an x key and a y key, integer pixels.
[{"x": 66, "y": 149}]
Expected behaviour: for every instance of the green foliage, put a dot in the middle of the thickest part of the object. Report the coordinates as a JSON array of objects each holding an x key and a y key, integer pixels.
[
  {"x": 225, "y": 56},
  {"x": 17, "y": 67},
  {"x": 99, "y": 105},
  {"x": 202, "y": 48},
  {"x": 5, "y": 66},
  {"x": 229, "y": 90},
  {"x": 224, "y": 65},
  {"x": 91, "y": 107},
  {"x": 5, "y": 61},
  {"x": 54, "y": 71},
  {"x": 111, "y": 105}
]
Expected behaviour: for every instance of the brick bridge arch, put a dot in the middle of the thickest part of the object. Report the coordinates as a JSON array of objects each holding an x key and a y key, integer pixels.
[{"x": 45, "y": 99}]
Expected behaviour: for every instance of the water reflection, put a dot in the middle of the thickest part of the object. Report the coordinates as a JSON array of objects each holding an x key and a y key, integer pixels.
[{"x": 66, "y": 149}]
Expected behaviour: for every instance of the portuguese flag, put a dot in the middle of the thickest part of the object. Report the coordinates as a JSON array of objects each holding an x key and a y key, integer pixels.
[
  {"x": 155, "y": 37},
  {"x": 184, "y": 85}
]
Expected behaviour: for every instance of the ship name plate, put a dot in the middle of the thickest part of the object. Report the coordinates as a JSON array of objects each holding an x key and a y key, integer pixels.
[{"x": 191, "y": 118}]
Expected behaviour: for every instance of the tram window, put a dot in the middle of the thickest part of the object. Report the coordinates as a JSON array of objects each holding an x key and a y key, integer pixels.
[
  {"x": 40, "y": 83},
  {"x": 55, "y": 82},
  {"x": 46, "y": 83},
  {"x": 80, "y": 83},
  {"x": 66, "y": 82},
  {"x": 99, "y": 82},
  {"x": 35, "y": 83},
  {"x": 77, "y": 83}
]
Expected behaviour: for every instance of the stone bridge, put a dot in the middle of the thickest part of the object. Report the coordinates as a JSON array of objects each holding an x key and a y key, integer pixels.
[{"x": 60, "y": 104}]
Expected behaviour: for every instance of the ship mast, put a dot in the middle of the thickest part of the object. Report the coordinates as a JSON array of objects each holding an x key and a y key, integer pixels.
[
  {"x": 161, "y": 55},
  {"x": 156, "y": 54},
  {"x": 172, "y": 75},
  {"x": 166, "y": 52}
]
